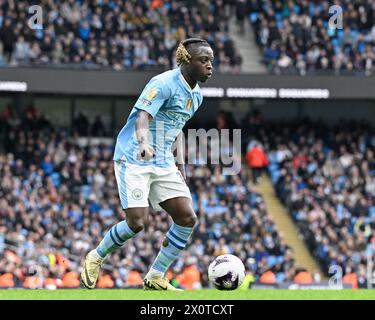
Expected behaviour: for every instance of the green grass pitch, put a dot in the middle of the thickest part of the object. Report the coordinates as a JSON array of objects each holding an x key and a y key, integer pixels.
[{"x": 132, "y": 294}]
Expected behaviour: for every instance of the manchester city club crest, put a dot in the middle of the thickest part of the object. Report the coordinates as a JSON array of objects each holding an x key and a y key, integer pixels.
[{"x": 137, "y": 194}]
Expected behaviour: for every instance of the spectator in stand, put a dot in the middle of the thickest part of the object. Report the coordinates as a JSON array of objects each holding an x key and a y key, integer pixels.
[
  {"x": 240, "y": 14},
  {"x": 8, "y": 38},
  {"x": 256, "y": 159}
]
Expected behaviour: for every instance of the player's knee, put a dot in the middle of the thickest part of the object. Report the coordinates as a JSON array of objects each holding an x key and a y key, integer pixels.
[
  {"x": 193, "y": 220},
  {"x": 189, "y": 219},
  {"x": 136, "y": 225}
]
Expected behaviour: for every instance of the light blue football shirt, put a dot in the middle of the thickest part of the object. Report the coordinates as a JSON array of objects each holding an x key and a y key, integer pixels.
[{"x": 171, "y": 102}]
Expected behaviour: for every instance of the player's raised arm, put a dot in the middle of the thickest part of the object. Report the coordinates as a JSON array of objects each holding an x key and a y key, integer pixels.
[{"x": 146, "y": 152}]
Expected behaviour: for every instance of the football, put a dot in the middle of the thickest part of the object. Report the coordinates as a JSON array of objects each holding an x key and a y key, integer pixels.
[{"x": 226, "y": 272}]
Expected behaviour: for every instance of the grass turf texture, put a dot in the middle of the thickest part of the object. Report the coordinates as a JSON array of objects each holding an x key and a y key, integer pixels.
[{"x": 130, "y": 294}]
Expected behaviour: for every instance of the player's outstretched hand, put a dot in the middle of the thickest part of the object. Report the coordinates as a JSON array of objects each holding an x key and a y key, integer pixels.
[{"x": 146, "y": 152}]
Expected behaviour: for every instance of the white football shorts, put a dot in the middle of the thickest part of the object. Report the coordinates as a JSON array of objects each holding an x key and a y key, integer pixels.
[{"x": 140, "y": 185}]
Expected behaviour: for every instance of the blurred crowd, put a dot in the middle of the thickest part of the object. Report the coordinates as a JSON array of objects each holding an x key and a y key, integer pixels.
[
  {"x": 117, "y": 34},
  {"x": 58, "y": 197},
  {"x": 296, "y": 36},
  {"x": 325, "y": 176}
]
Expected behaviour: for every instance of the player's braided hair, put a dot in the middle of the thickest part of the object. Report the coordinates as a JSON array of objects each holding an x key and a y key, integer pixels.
[{"x": 182, "y": 54}]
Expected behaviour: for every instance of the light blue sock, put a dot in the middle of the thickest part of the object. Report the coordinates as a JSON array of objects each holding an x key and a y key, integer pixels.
[
  {"x": 175, "y": 241},
  {"x": 115, "y": 238}
]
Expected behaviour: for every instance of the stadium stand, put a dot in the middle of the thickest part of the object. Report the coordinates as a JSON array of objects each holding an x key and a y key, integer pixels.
[
  {"x": 58, "y": 193},
  {"x": 325, "y": 176},
  {"x": 113, "y": 34},
  {"x": 295, "y": 36},
  {"x": 58, "y": 198}
]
